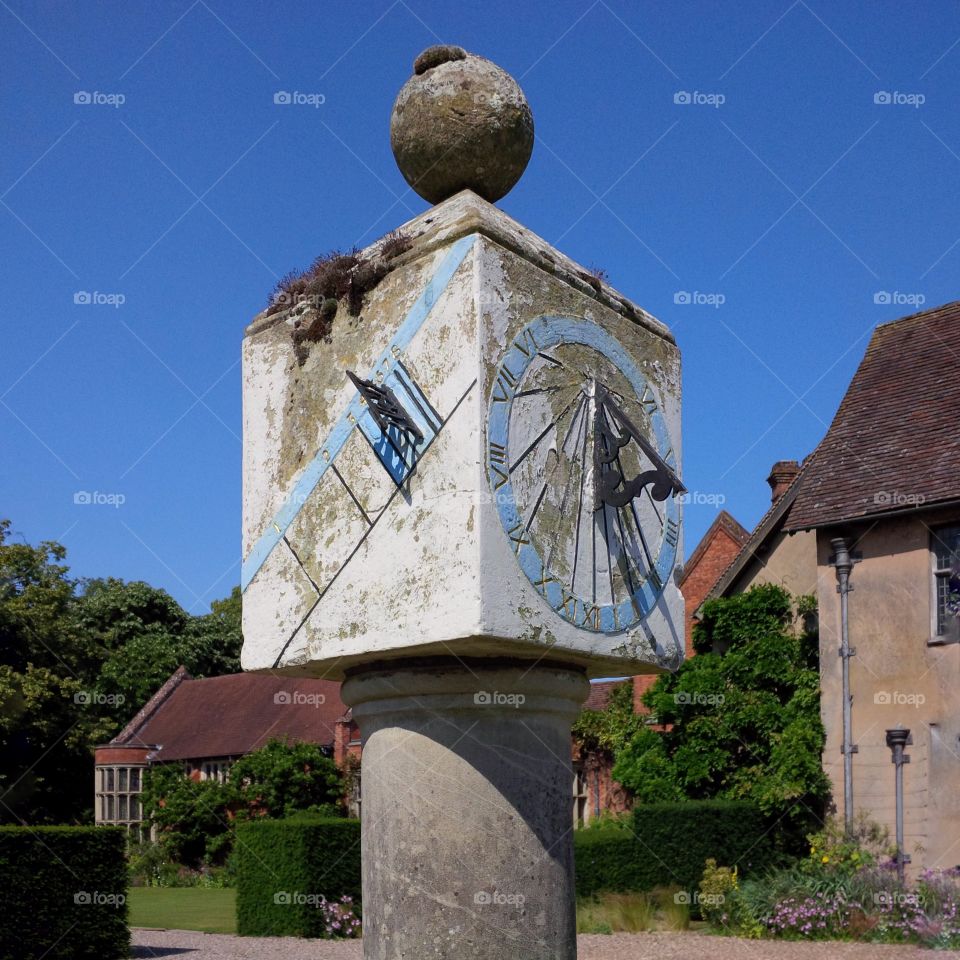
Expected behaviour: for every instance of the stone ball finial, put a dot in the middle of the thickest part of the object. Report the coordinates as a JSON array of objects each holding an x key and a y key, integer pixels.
[{"x": 460, "y": 122}]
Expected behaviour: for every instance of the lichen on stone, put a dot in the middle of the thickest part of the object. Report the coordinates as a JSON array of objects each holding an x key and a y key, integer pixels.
[{"x": 435, "y": 55}]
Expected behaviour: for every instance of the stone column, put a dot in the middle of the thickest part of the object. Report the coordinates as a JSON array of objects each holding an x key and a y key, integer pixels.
[{"x": 467, "y": 809}]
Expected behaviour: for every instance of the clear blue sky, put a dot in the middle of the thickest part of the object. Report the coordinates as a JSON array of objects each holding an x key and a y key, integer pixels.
[{"x": 797, "y": 199}]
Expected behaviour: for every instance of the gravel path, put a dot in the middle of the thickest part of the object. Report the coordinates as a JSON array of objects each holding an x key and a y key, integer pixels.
[{"x": 620, "y": 946}]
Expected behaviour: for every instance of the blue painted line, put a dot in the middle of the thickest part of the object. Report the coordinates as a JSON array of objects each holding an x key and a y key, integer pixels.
[{"x": 311, "y": 476}]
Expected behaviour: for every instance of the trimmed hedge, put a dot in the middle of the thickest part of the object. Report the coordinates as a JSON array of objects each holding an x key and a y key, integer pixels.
[
  {"x": 283, "y": 866},
  {"x": 667, "y": 844},
  {"x": 64, "y": 893}
]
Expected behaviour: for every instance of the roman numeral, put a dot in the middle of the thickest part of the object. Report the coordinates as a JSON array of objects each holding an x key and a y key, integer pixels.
[
  {"x": 592, "y": 616},
  {"x": 498, "y": 455},
  {"x": 648, "y": 401},
  {"x": 568, "y": 604},
  {"x": 546, "y": 578},
  {"x": 506, "y": 383},
  {"x": 654, "y": 578},
  {"x": 518, "y": 535},
  {"x": 672, "y": 532},
  {"x": 526, "y": 344}
]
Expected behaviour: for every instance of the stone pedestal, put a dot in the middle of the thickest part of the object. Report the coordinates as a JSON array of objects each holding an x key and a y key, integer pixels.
[{"x": 467, "y": 811}]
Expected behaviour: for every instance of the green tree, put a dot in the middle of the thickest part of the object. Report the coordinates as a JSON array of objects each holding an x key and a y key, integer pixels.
[
  {"x": 611, "y": 729},
  {"x": 143, "y": 635},
  {"x": 283, "y": 778},
  {"x": 742, "y": 717},
  {"x": 77, "y": 660},
  {"x": 194, "y": 819}
]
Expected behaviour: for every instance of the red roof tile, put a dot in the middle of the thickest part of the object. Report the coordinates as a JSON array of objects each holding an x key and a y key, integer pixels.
[
  {"x": 232, "y": 715},
  {"x": 599, "y": 697},
  {"x": 895, "y": 441}
]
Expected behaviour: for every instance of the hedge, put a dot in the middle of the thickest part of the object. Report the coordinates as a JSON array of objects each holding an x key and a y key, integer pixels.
[
  {"x": 666, "y": 844},
  {"x": 283, "y": 866},
  {"x": 64, "y": 893}
]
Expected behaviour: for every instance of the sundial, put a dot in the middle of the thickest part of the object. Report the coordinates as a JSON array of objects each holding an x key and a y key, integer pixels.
[{"x": 464, "y": 500}]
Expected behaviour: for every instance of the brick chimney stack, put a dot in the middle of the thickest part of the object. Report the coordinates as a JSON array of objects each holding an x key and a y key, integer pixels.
[{"x": 782, "y": 474}]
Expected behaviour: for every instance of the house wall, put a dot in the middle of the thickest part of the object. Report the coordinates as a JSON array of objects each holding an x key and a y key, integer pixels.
[
  {"x": 897, "y": 678},
  {"x": 790, "y": 562}
]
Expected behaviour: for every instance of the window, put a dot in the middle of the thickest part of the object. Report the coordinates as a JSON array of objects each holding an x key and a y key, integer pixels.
[
  {"x": 117, "y": 796},
  {"x": 355, "y": 799},
  {"x": 946, "y": 577},
  {"x": 215, "y": 770},
  {"x": 580, "y": 797}
]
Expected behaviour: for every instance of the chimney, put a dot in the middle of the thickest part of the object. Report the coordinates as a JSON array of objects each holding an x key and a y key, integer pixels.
[{"x": 782, "y": 474}]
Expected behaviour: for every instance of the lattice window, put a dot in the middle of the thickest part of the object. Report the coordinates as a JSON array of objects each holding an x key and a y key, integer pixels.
[
  {"x": 580, "y": 795},
  {"x": 946, "y": 573}
]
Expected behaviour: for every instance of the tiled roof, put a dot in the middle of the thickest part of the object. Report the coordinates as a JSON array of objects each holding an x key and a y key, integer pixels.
[
  {"x": 599, "y": 697},
  {"x": 234, "y": 714},
  {"x": 895, "y": 440}
]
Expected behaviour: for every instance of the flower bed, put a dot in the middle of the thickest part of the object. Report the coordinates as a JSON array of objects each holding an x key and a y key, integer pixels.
[{"x": 846, "y": 889}]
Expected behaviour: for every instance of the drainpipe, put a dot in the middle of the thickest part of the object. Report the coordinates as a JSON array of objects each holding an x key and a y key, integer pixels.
[
  {"x": 843, "y": 562},
  {"x": 897, "y": 739}
]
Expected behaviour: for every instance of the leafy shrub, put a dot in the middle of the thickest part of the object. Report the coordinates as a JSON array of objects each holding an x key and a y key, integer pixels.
[
  {"x": 195, "y": 818},
  {"x": 64, "y": 893},
  {"x": 742, "y": 717},
  {"x": 669, "y": 843},
  {"x": 720, "y": 903},
  {"x": 290, "y": 871},
  {"x": 192, "y": 817}
]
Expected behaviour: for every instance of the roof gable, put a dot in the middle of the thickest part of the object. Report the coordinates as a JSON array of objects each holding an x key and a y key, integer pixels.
[
  {"x": 723, "y": 524},
  {"x": 895, "y": 440}
]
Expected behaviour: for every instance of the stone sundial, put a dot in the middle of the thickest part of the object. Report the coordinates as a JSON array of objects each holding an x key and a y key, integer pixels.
[{"x": 463, "y": 500}]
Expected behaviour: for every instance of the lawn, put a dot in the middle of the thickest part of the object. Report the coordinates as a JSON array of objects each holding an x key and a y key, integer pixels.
[
  {"x": 207, "y": 909},
  {"x": 212, "y": 910}
]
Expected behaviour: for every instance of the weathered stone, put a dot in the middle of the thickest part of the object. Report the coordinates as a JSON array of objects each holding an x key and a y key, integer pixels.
[
  {"x": 461, "y": 122},
  {"x": 467, "y": 841},
  {"x": 430, "y": 569},
  {"x": 434, "y": 56}
]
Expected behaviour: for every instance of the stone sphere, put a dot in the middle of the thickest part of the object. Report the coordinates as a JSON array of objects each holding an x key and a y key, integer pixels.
[{"x": 460, "y": 122}]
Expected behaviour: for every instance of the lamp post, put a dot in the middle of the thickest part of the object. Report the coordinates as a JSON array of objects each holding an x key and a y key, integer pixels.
[
  {"x": 843, "y": 562},
  {"x": 897, "y": 739}
]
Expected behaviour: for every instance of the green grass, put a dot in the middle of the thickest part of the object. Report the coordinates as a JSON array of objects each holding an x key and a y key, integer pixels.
[
  {"x": 208, "y": 909},
  {"x": 632, "y": 912}
]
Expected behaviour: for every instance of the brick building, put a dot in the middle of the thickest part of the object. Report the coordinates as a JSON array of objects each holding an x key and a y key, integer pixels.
[{"x": 205, "y": 725}]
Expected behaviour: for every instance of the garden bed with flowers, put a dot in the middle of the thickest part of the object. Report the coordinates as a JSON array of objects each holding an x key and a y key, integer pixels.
[{"x": 847, "y": 889}]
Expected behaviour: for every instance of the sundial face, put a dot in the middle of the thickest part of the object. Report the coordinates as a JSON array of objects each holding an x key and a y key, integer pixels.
[{"x": 582, "y": 471}]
